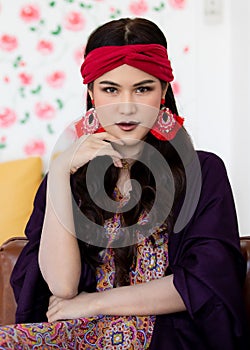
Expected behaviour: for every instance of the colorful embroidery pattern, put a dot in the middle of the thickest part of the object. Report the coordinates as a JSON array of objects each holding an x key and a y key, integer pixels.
[{"x": 100, "y": 332}]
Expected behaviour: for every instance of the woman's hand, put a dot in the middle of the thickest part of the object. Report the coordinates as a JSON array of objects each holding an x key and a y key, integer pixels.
[
  {"x": 87, "y": 148},
  {"x": 82, "y": 305}
]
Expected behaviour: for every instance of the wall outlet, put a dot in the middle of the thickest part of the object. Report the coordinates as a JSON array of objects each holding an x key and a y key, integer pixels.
[{"x": 213, "y": 11}]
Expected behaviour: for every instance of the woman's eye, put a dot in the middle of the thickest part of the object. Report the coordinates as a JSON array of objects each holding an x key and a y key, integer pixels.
[
  {"x": 110, "y": 90},
  {"x": 143, "y": 89}
]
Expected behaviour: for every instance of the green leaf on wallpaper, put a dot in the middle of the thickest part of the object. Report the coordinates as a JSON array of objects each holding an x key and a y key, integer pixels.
[
  {"x": 36, "y": 90},
  {"x": 160, "y": 7},
  {"x": 42, "y": 21},
  {"x": 33, "y": 29},
  {"x": 17, "y": 61},
  {"x": 22, "y": 91},
  {"x": 85, "y": 6},
  {"x": 50, "y": 129},
  {"x": 25, "y": 119},
  {"x": 57, "y": 31},
  {"x": 115, "y": 14},
  {"x": 69, "y": 0},
  {"x": 2, "y": 145},
  {"x": 52, "y": 3},
  {"x": 59, "y": 103}
]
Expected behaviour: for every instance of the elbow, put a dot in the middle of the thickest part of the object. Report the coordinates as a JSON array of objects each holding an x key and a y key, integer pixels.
[{"x": 64, "y": 292}]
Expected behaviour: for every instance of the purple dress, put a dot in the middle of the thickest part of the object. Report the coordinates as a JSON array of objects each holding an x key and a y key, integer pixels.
[{"x": 204, "y": 258}]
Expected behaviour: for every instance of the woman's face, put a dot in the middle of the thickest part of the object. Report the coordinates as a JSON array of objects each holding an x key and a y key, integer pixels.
[{"x": 127, "y": 102}]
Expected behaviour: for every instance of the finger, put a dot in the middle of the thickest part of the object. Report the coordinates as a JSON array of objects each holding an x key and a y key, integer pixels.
[
  {"x": 53, "y": 301},
  {"x": 108, "y": 137},
  {"x": 117, "y": 163},
  {"x": 109, "y": 152}
]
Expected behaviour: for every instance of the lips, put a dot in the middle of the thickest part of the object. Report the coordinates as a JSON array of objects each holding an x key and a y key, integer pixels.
[{"x": 127, "y": 126}]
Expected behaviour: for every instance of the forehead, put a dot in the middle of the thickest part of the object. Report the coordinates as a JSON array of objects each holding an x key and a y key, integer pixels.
[{"x": 126, "y": 74}]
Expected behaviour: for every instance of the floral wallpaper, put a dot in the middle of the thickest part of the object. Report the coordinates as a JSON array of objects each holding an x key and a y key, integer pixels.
[{"x": 41, "y": 50}]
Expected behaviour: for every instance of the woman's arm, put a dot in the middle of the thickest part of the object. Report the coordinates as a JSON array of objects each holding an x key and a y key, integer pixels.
[
  {"x": 151, "y": 298},
  {"x": 59, "y": 256}
]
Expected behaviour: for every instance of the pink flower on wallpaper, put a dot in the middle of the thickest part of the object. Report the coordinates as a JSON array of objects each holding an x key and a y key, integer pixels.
[
  {"x": 176, "y": 88},
  {"x": 79, "y": 55},
  {"x": 8, "y": 42},
  {"x": 35, "y": 147},
  {"x": 7, "y": 117},
  {"x": 138, "y": 7},
  {"x": 25, "y": 78},
  {"x": 186, "y": 49},
  {"x": 45, "y": 110},
  {"x": 74, "y": 21},
  {"x": 30, "y": 13},
  {"x": 45, "y": 47},
  {"x": 56, "y": 79},
  {"x": 178, "y": 4}
]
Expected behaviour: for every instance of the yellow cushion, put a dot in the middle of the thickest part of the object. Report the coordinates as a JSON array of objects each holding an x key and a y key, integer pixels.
[{"x": 19, "y": 181}]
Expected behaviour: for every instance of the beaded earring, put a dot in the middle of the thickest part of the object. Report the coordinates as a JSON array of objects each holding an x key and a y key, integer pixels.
[
  {"x": 167, "y": 124},
  {"x": 89, "y": 124}
]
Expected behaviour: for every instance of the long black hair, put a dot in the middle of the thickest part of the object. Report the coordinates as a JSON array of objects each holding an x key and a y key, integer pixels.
[{"x": 122, "y": 32}]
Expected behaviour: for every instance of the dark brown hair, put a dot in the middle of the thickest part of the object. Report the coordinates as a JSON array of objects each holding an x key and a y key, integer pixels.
[{"x": 121, "y": 32}]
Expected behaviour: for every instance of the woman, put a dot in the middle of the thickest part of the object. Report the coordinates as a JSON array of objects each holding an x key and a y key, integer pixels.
[{"x": 172, "y": 258}]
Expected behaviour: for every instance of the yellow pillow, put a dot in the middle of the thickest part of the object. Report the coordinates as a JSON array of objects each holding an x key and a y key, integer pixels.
[{"x": 19, "y": 181}]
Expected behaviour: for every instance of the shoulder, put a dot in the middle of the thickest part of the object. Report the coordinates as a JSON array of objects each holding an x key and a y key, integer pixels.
[
  {"x": 211, "y": 164},
  {"x": 209, "y": 158}
]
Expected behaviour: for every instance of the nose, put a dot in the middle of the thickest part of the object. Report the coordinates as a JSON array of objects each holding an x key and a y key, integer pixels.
[
  {"x": 127, "y": 108},
  {"x": 126, "y": 105}
]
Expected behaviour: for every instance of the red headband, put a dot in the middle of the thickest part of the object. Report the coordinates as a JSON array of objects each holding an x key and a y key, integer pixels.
[{"x": 151, "y": 58}]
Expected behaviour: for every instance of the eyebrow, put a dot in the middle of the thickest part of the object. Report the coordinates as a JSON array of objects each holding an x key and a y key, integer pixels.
[{"x": 147, "y": 81}]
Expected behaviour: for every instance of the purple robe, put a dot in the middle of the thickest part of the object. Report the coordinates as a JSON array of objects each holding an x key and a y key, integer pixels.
[{"x": 204, "y": 257}]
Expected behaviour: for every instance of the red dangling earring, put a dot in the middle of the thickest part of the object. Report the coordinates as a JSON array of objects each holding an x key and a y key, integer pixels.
[
  {"x": 88, "y": 124},
  {"x": 166, "y": 125}
]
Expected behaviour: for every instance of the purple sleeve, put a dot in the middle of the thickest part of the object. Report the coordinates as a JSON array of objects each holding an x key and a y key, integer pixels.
[{"x": 205, "y": 256}]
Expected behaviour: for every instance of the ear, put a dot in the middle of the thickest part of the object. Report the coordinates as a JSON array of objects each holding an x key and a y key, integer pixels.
[
  {"x": 164, "y": 91},
  {"x": 90, "y": 92}
]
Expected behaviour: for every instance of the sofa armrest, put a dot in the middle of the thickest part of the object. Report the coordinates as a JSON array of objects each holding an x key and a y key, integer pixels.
[{"x": 9, "y": 252}]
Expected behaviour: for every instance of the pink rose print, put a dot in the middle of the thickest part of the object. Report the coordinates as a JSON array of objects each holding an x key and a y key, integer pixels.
[
  {"x": 56, "y": 79},
  {"x": 6, "y": 79},
  {"x": 30, "y": 13},
  {"x": 177, "y": 4},
  {"x": 7, "y": 117},
  {"x": 8, "y": 42},
  {"x": 45, "y": 47},
  {"x": 26, "y": 79},
  {"x": 74, "y": 21},
  {"x": 35, "y": 147},
  {"x": 138, "y": 7},
  {"x": 176, "y": 88},
  {"x": 79, "y": 55},
  {"x": 45, "y": 110}
]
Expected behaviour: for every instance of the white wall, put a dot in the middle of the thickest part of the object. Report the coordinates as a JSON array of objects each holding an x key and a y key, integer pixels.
[
  {"x": 240, "y": 109},
  {"x": 221, "y": 109}
]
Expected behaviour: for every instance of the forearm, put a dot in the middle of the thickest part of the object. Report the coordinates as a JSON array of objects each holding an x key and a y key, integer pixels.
[
  {"x": 59, "y": 256},
  {"x": 151, "y": 298}
]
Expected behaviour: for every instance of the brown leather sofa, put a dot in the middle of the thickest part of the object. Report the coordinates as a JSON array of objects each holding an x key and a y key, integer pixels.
[{"x": 10, "y": 250}]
